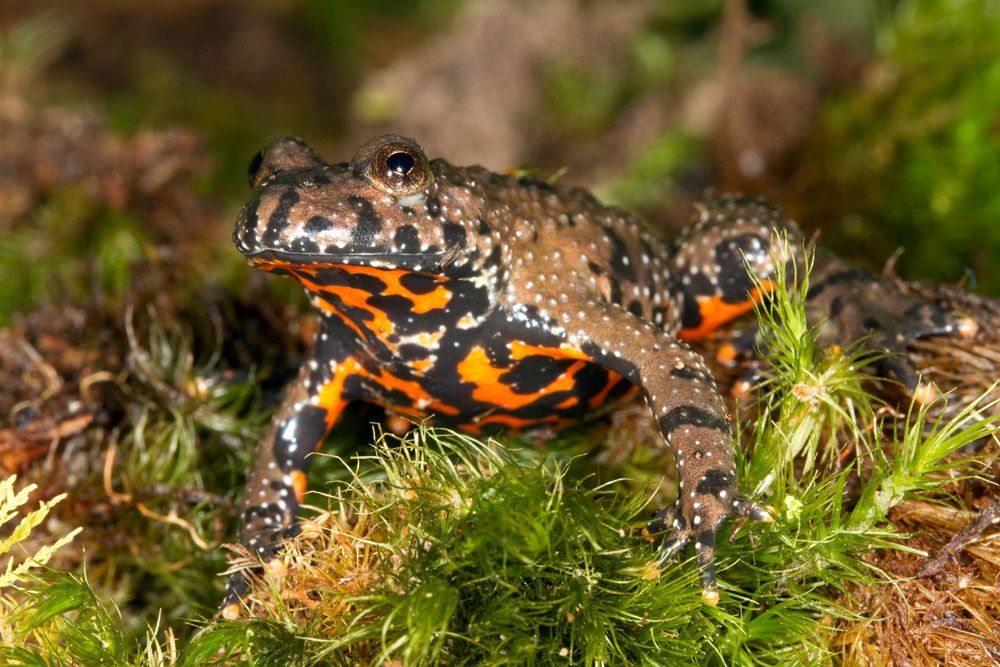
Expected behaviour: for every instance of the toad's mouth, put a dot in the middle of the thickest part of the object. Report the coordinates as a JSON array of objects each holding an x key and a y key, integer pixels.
[{"x": 270, "y": 260}]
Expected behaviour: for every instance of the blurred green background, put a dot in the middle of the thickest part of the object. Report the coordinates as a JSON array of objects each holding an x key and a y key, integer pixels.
[{"x": 874, "y": 121}]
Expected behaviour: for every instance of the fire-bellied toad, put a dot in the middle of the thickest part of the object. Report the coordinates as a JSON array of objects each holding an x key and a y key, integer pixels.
[{"x": 489, "y": 301}]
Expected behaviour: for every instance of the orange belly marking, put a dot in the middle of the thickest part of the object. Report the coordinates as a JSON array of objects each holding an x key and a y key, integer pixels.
[
  {"x": 477, "y": 370},
  {"x": 332, "y": 392}
]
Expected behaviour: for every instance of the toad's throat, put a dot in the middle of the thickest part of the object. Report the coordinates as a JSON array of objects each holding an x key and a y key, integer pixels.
[{"x": 377, "y": 304}]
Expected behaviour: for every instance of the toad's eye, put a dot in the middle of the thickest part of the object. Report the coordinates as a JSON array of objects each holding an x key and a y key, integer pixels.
[
  {"x": 255, "y": 162},
  {"x": 398, "y": 168}
]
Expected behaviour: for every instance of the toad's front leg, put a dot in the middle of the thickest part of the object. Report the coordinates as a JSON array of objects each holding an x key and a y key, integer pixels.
[
  {"x": 277, "y": 482},
  {"x": 691, "y": 416}
]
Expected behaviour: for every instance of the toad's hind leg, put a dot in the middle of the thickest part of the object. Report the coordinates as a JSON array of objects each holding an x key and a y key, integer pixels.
[{"x": 726, "y": 260}]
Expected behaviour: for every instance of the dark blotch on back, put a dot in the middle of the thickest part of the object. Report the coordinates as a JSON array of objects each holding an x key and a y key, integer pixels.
[
  {"x": 698, "y": 285},
  {"x": 454, "y": 235},
  {"x": 734, "y": 280},
  {"x": 309, "y": 426},
  {"x": 647, "y": 249},
  {"x": 249, "y": 228},
  {"x": 407, "y": 238},
  {"x": 619, "y": 255},
  {"x": 317, "y": 224},
  {"x": 616, "y": 289},
  {"x": 871, "y": 324},
  {"x": 836, "y": 306},
  {"x": 304, "y": 245},
  {"x": 923, "y": 319},
  {"x": 368, "y": 225},
  {"x": 626, "y": 369},
  {"x": 433, "y": 206},
  {"x": 279, "y": 218},
  {"x": 688, "y": 373}
]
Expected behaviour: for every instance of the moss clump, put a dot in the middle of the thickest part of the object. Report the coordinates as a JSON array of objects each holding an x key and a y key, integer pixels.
[
  {"x": 935, "y": 89},
  {"x": 464, "y": 551}
]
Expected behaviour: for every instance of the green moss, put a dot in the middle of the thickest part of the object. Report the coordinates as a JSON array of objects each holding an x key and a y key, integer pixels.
[
  {"x": 923, "y": 176},
  {"x": 492, "y": 556},
  {"x": 71, "y": 250}
]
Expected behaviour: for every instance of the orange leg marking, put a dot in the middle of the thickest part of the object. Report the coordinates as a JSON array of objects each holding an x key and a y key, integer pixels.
[
  {"x": 599, "y": 398},
  {"x": 331, "y": 395},
  {"x": 299, "y": 485},
  {"x": 727, "y": 354},
  {"x": 715, "y": 312}
]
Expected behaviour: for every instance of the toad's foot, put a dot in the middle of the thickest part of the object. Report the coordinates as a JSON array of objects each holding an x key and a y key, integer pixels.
[{"x": 687, "y": 525}]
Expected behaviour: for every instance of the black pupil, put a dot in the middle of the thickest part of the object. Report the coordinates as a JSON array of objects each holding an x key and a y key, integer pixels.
[{"x": 399, "y": 163}]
